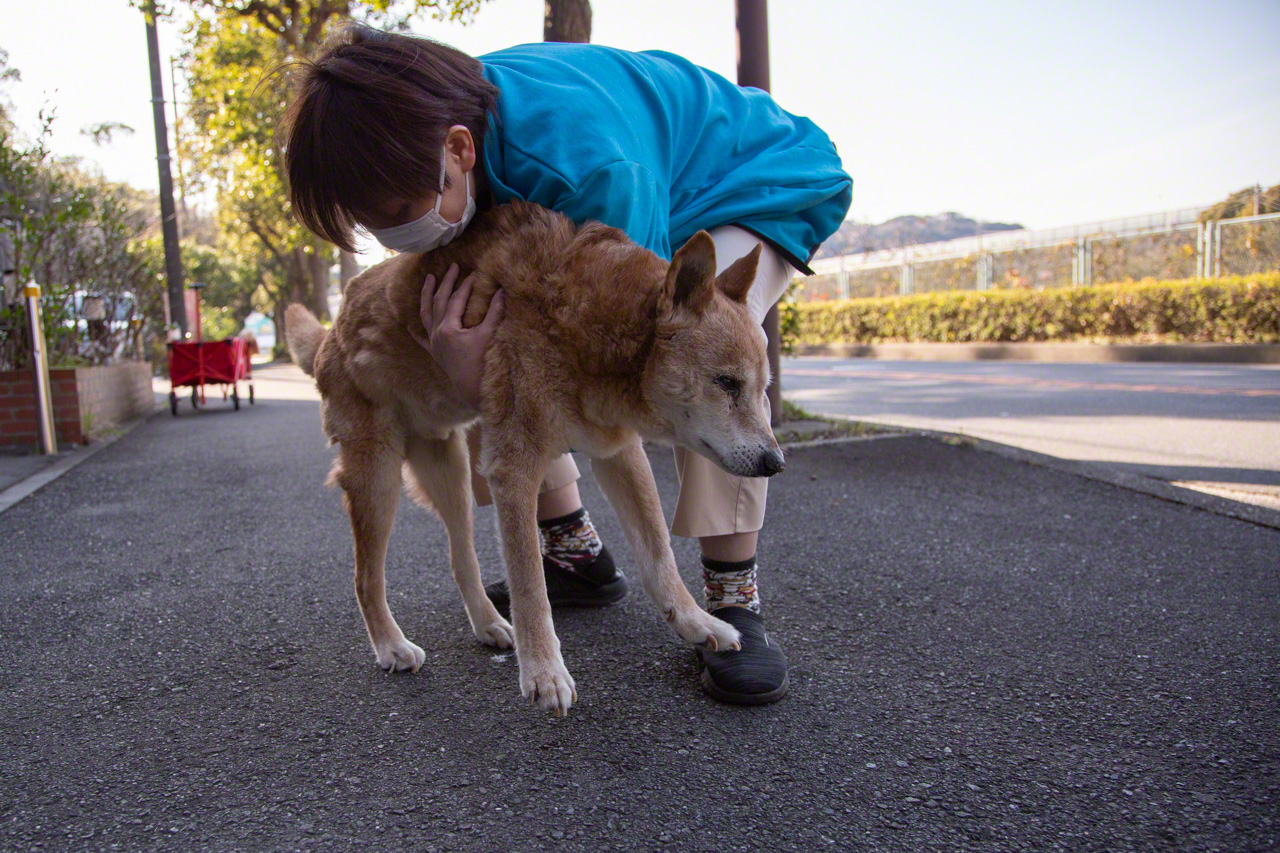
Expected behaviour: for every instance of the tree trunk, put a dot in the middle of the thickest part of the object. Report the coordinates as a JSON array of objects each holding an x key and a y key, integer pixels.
[
  {"x": 567, "y": 20},
  {"x": 300, "y": 280},
  {"x": 318, "y": 272},
  {"x": 297, "y": 279},
  {"x": 277, "y": 317},
  {"x": 348, "y": 268}
]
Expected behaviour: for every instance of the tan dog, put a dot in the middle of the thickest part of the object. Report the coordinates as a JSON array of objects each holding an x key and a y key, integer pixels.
[{"x": 602, "y": 342}]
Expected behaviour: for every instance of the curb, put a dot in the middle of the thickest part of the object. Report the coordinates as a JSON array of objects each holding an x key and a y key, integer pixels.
[
  {"x": 1238, "y": 510},
  {"x": 15, "y": 493},
  {"x": 1077, "y": 353},
  {"x": 893, "y": 432}
]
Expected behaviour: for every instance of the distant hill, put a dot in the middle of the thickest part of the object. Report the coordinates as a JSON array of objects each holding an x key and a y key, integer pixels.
[{"x": 854, "y": 237}]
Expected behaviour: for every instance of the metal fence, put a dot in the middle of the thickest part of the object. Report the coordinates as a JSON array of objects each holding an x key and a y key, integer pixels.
[{"x": 1171, "y": 245}]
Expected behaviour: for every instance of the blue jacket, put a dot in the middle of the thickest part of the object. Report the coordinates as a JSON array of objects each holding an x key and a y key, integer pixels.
[{"x": 659, "y": 147}]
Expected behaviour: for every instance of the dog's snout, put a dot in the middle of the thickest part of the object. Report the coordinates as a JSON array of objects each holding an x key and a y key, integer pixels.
[{"x": 770, "y": 462}]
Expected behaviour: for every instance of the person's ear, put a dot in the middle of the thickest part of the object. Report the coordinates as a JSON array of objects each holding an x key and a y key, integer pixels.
[{"x": 458, "y": 141}]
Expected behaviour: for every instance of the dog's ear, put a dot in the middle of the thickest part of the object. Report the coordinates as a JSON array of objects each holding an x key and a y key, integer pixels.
[
  {"x": 690, "y": 280},
  {"x": 736, "y": 281}
]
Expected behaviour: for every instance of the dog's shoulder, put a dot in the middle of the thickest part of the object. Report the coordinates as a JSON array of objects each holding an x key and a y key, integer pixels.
[{"x": 381, "y": 297}]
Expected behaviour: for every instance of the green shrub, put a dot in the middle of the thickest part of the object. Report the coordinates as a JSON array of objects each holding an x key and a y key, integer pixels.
[
  {"x": 789, "y": 315},
  {"x": 1242, "y": 309}
]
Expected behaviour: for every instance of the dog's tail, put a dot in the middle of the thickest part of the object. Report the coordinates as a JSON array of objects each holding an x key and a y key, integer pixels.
[{"x": 304, "y": 333}]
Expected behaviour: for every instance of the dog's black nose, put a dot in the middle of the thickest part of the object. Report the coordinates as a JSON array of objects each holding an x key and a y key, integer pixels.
[{"x": 771, "y": 462}]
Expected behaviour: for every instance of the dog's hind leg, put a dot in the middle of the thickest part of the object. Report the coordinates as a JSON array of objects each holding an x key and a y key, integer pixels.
[
  {"x": 544, "y": 680},
  {"x": 369, "y": 474},
  {"x": 442, "y": 471},
  {"x": 627, "y": 481}
]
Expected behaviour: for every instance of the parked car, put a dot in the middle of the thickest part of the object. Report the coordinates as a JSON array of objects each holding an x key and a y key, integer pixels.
[{"x": 109, "y": 341}]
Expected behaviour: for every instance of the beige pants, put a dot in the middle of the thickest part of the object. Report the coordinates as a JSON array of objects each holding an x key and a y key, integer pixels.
[{"x": 712, "y": 502}]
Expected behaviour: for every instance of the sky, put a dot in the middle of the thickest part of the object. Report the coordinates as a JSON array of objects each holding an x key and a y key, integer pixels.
[{"x": 1038, "y": 113}]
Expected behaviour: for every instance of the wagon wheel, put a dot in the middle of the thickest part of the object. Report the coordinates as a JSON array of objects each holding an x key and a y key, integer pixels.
[
  {"x": 195, "y": 399},
  {"x": 173, "y": 403},
  {"x": 250, "y": 393},
  {"x": 235, "y": 397}
]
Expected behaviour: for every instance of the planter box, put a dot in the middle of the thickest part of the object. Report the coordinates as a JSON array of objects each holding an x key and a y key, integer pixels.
[{"x": 86, "y": 401}]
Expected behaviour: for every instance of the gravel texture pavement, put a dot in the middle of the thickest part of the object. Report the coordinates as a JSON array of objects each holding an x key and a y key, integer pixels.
[{"x": 985, "y": 655}]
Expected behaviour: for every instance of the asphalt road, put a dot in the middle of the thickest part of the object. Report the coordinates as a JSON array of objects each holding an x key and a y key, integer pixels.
[
  {"x": 1214, "y": 427},
  {"x": 986, "y": 655}
]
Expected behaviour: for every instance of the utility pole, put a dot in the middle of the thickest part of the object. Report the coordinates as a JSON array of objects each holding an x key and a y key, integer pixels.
[
  {"x": 168, "y": 220},
  {"x": 752, "y": 17},
  {"x": 177, "y": 140}
]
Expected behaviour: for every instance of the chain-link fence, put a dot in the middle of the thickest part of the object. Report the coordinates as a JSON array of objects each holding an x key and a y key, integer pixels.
[
  {"x": 1180, "y": 247},
  {"x": 1246, "y": 245},
  {"x": 1168, "y": 254}
]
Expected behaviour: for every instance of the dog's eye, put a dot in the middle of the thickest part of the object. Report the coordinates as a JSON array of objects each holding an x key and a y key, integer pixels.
[{"x": 731, "y": 386}]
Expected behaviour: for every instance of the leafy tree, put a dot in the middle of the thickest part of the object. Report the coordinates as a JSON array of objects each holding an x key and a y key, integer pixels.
[
  {"x": 1245, "y": 202},
  {"x": 301, "y": 25},
  {"x": 234, "y": 111},
  {"x": 72, "y": 232},
  {"x": 231, "y": 280},
  {"x": 103, "y": 132},
  {"x": 234, "y": 50},
  {"x": 7, "y": 75}
]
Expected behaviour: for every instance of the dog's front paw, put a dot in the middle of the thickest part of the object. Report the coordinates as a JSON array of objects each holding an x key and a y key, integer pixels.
[
  {"x": 397, "y": 655},
  {"x": 548, "y": 685},
  {"x": 497, "y": 633},
  {"x": 697, "y": 626}
]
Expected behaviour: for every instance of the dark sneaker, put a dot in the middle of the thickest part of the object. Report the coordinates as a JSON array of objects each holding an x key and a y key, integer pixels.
[
  {"x": 597, "y": 585},
  {"x": 756, "y": 675}
]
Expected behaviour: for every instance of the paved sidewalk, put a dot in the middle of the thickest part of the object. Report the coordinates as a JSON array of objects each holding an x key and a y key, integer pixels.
[
  {"x": 986, "y": 655},
  {"x": 23, "y": 471},
  {"x": 18, "y": 465}
]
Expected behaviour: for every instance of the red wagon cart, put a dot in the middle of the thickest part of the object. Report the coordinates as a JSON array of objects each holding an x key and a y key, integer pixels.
[{"x": 195, "y": 364}]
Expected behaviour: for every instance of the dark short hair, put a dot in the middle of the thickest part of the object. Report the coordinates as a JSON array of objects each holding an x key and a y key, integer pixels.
[{"x": 368, "y": 120}]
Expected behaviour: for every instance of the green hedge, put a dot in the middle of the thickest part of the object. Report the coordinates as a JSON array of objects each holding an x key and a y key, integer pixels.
[{"x": 1242, "y": 309}]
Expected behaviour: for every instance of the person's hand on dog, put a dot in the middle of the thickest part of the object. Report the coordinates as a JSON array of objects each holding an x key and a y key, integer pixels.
[{"x": 458, "y": 351}]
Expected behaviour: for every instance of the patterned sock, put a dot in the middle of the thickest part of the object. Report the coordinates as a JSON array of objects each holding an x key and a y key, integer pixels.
[
  {"x": 570, "y": 540},
  {"x": 730, "y": 583}
]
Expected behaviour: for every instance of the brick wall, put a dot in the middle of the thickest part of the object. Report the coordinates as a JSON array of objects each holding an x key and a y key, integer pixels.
[{"x": 96, "y": 398}]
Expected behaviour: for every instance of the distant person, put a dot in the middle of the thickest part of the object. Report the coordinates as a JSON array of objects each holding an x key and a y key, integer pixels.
[
  {"x": 408, "y": 138},
  {"x": 250, "y": 340}
]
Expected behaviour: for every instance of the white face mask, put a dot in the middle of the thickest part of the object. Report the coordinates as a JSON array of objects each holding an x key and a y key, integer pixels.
[{"x": 431, "y": 230}]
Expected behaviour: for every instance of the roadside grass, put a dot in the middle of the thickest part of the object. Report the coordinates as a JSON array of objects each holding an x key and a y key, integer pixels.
[{"x": 799, "y": 424}]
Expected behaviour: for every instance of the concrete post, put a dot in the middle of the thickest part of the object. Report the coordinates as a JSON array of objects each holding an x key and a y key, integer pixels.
[{"x": 1217, "y": 249}]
